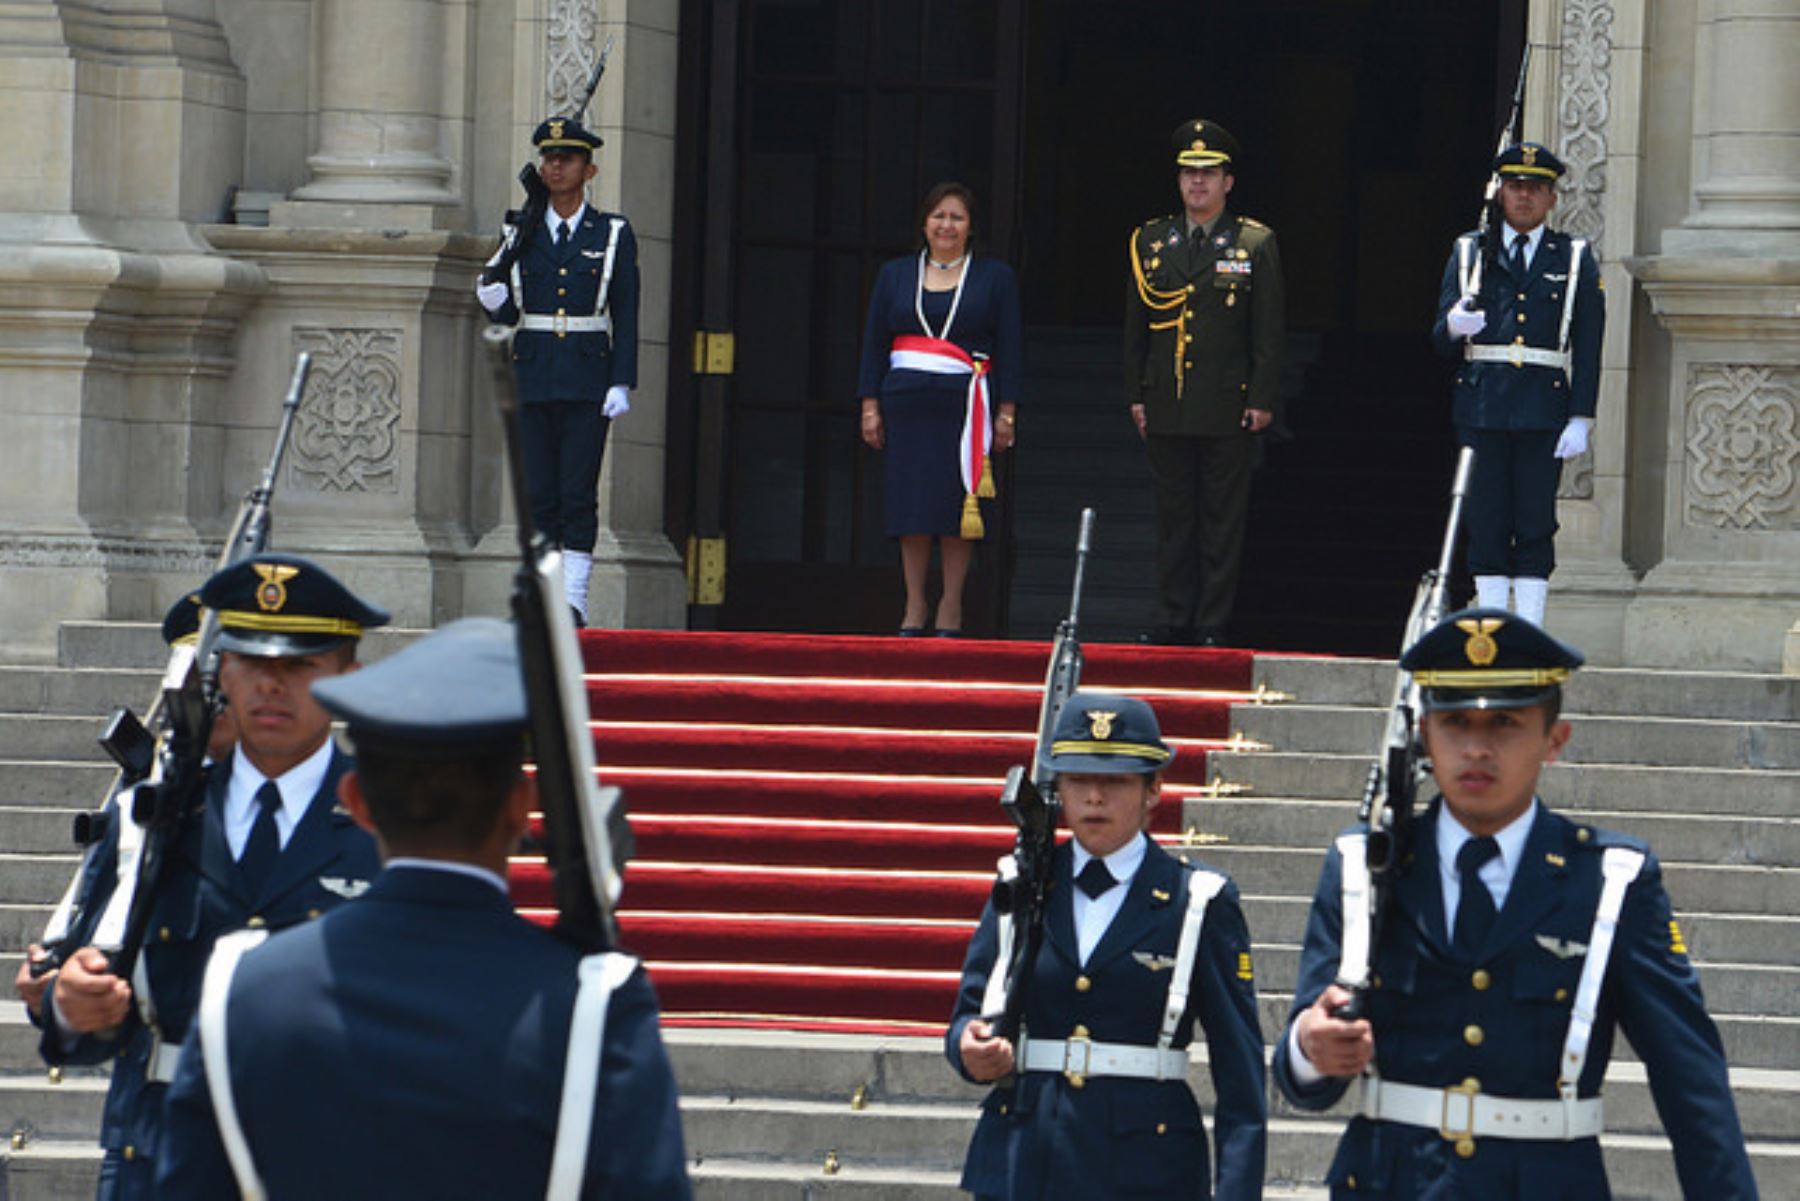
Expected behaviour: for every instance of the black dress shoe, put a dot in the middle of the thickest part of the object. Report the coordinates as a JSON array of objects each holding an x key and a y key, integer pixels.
[
  {"x": 949, "y": 633},
  {"x": 1208, "y": 636},
  {"x": 1168, "y": 636},
  {"x": 912, "y": 631}
]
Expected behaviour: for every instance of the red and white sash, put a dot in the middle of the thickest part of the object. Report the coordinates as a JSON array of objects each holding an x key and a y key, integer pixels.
[{"x": 914, "y": 352}]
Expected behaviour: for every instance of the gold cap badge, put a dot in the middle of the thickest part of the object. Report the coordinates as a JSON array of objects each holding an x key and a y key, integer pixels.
[
  {"x": 1481, "y": 649},
  {"x": 1100, "y": 723},
  {"x": 272, "y": 594},
  {"x": 1529, "y": 154},
  {"x": 1199, "y": 145},
  {"x": 556, "y": 129}
]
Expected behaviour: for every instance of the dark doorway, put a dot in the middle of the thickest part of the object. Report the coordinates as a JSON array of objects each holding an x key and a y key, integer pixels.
[{"x": 1367, "y": 128}]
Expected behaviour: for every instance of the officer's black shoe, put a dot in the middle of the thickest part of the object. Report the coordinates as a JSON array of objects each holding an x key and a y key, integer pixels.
[
  {"x": 1208, "y": 636},
  {"x": 1168, "y": 636}
]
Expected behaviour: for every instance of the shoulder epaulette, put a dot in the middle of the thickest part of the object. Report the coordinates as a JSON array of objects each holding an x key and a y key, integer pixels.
[{"x": 1251, "y": 223}]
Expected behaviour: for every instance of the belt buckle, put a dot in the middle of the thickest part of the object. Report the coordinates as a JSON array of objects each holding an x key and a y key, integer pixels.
[
  {"x": 1467, "y": 1090},
  {"x": 1077, "y": 1076},
  {"x": 561, "y": 325}
]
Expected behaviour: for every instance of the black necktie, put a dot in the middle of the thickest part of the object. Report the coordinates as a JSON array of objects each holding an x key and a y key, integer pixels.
[
  {"x": 1094, "y": 879},
  {"x": 1518, "y": 255},
  {"x": 1475, "y": 911},
  {"x": 562, "y": 234},
  {"x": 264, "y": 843}
]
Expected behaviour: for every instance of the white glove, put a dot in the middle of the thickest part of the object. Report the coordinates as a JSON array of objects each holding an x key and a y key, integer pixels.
[
  {"x": 617, "y": 403},
  {"x": 1574, "y": 440},
  {"x": 493, "y": 296},
  {"x": 1464, "y": 320}
]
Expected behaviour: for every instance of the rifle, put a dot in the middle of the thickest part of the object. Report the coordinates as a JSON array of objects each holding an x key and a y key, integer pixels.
[
  {"x": 1021, "y": 893},
  {"x": 1392, "y": 788},
  {"x": 1510, "y": 133},
  {"x": 523, "y": 222},
  {"x": 588, "y": 839},
  {"x": 161, "y": 774}
]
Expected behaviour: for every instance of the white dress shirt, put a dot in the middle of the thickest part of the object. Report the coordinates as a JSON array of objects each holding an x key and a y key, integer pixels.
[
  {"x": 298, "y": 786},
  {"x": 552, "y": 221},
  {"x": 1532, "y": 238},
  {"x": 1094, "y": 915}
]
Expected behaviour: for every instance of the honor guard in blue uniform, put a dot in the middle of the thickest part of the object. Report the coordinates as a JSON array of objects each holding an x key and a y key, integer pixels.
[
  {"x": 1139, "y": 949},
  {"x": 268, "y": 848},
  {"x": 94, "y": 884},
  {"x": 1516, "y": 944},
  {"x": 1204, "y": 329},
  {"x": 1525, "y": 315},
  {"x": 573, "y": 295},
  {"x": 427, "y": 1041}
]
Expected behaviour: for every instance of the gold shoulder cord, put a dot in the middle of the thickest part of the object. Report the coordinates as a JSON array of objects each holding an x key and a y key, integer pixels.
[{"x": 1159, "y": 301}]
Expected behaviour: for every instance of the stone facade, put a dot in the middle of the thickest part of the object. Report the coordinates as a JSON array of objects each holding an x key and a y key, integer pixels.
[{"x": 194, "y": 191}]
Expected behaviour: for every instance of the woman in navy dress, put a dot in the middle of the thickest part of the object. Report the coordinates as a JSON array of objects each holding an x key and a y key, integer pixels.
[{"x": 940, "y": 378}]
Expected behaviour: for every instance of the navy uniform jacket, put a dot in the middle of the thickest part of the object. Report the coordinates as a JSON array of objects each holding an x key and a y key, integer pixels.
[
  {"x": 1500, "y": 396},
  {"x": 1428, "y": 997},
  {"x": 577, "y": 366},
  {"x": 1115, "y": 1137},
  {"x": 202, "y": 898},
  {"x": 1232, "y": 316},
  {"x": 413, "y": 1045}
]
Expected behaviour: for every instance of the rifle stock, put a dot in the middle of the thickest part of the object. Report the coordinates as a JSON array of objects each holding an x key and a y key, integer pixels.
[
  {"x": 1021, "y": 892},
  {"x": 587, "y": 838},
  {"x": 1390, "y": 794}
]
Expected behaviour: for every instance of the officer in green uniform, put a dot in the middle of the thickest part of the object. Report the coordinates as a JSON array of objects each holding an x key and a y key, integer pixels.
[{"x": 1203, "y": 339}]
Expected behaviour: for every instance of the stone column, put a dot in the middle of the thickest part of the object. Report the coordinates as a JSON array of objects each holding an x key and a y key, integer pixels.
[
  {"x": 1726, "y": 287},
  {"x": 117, "y": 321},
  {"x": 382, "y": 160}
]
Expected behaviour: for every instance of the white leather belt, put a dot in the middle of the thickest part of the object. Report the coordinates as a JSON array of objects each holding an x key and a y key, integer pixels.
[
  {"x": 164, "y": 1057},
  {"x": 559, "y": 324},
  {"x": 1079, "y": 1058},
  {"x": 1461, "y": 1112},
  {"x": 1516, "y": 354}
]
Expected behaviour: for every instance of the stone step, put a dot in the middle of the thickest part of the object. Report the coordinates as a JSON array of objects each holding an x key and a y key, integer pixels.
[
  {"x": 25, "y": 879},
  {"x": 1643, "y": 741},
  {"x": 1598, "y": 691},
  {"x": 52, "y": 1170},
  {"x": 37, "y": 829},
  {"x": 139, "y": 646},
  {"x": 21, "y": 924},
  {"x": 66, "y": 1111},
  {"x": 828, "y": 1069},
  {"x": 1688, "y": 837},
  {"x": 49, "y": 736},
  {"x": 95, "y": 691},
  {"x": 58, "y": 782},
  {"x": 1616, "y": 788}
]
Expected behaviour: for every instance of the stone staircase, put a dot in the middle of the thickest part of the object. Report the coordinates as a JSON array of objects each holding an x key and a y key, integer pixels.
[{"x": 1706, "y": 766}]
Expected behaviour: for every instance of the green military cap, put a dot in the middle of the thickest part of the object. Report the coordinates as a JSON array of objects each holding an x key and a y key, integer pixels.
[{"x": 1203, "y": 143}]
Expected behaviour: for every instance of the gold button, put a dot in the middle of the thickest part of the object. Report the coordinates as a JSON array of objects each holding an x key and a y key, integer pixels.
[
  {"x": 1189, "y": 337},
  {"x": 1519, "y": 341},
  {"x": 165, "y": 934},
  {"x": 1474, "y": 1035},
  {"x": 1162, "y": 1128},
  {"x": 1076, "y": 1079},
  {"x": 1082, "y": 984},
  {"x": 130, "y": 1152},
  {"x": 1521, "y": 318},
  {"x": 1465, "y": 1147},
  {"x": 1562, "y": 994},
  {"x": 1003, "y": 1109},
  {"x": 1376, "y": 981},
  {"x": 1521, "y": 296},
  {"x": 562, "y": 270},
  {"x": 1190, "y": 287},
  {"x": 312, "y": 914},
  {"x": 1481, "y": 979},
  {"x": 1583, "y": 834},
  {"x": 256, "y": 922},
  {"x": 1079, "y": 1032},
  {"x": 1189, "y": 313},
  {"x": 1349, "y": 1182},
  {"x": 560, "y": 313},
  {"x": 562, "y": 291},
  {"x": 56, "y": 1076}
]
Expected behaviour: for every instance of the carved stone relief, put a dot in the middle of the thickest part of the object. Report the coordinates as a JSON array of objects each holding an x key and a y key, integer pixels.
[
  {"x": 574, "y": 25},
  {"x": 1743, "y": 447},
  {"x": 346, "y": 434},
  {"x": 1583, "y": 109}
]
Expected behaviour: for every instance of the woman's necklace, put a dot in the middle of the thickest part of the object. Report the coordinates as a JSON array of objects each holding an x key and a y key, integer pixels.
[
  {"x": 953, "y": 264},
  {"x": 919, "y": 296}
]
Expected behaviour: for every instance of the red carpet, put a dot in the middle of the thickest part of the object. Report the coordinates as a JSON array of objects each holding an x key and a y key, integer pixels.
[{"x": 818, "y": 817}]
